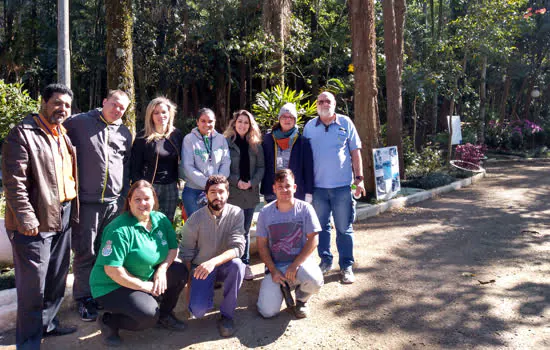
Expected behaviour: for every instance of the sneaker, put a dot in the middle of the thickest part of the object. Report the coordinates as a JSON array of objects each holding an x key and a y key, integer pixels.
[
  {"x": 325, "y": 267},
  {"x": 300, "y": 310},
  {"x": 248, "y": 275},
  {"x": 170, "y": 322},
  {"x": 109, "y": 334},
  {"x": 59, "y": 331},
  {"x": 87, "y": 310},
  {"x": 226, "y": 326},
  {"x": 347, "y": 275}
]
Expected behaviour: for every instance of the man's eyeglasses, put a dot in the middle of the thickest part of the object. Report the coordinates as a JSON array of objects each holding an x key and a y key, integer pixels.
[{"x": 320, "y": 102}]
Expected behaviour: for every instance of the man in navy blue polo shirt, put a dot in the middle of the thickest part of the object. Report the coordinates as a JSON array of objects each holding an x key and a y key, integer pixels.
[{"x": 336, "y": 158}]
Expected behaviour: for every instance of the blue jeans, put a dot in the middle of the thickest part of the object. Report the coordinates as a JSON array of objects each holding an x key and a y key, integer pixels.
[
  {"x": 248, "y": 215},
  {"x": 338, "y": 202},
  {"x": 202, "y": 291},
  {"x": 189, "y": 197}
]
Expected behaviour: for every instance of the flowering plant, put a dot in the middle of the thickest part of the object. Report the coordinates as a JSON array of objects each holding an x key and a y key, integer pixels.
[
  {"x": 470, "y": 153},
  {"x": 510, "y": 134}
]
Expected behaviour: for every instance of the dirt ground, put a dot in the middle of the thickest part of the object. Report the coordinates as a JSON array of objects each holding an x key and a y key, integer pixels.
[{"x": 469, "y": 269}]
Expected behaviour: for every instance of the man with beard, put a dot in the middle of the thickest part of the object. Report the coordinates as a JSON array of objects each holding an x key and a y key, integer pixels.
[
  {"x": 103, "y": 146},
  {"x": 211, "y": 245},
  {"x": 336, "y": 146},
  {"x": 40, "y": 186}
]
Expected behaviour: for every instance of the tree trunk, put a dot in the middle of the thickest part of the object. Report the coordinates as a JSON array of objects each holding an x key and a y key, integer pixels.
[
  {"x": 185, "y": 101},
  {"x": 363, "y": 36},
  {"x": 504, "y": 102},
  {"x": 393, "y": 48},
  {"x": 120, "y": 70},
  {"x": 242, "y": 83},
  {"x": 415, "y": 123},
  {"x": 276, "y": 21},
  {"x": 434, "y": 110},
  {"x": 482, "y": 101},
  {"x": 452, "y": 108},
  {"x": 221, "y": 101},
  {"x": 63, "y": 50},
  {"x": 528, "y": 99},
  {"x": 518, "y": 97}
]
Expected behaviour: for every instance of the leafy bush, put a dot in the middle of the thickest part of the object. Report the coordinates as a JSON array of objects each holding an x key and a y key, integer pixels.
[
  {"x": 429, "y": 181},
  {"x": 516, "y": 134},
  {"x": 268, "y": 103},
  {"x": 418, "y": 164},
  {"x": 470, "y": 153},
  {"x": 7, "y": 278},
  {"x": 15, "y": 103},
  {"x": 2, "y": 206}
]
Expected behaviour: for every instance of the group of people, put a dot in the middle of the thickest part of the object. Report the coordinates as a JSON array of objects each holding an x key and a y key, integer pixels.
[{"x": 82, "y": 182}]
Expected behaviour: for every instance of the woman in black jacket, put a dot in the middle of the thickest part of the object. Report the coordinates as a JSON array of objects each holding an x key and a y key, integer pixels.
[{"x": 156, "y": 154}]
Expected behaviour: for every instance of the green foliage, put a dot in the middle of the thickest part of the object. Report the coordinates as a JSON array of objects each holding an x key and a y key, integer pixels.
[
  {"x": 269, "y": 102},
  {"x": 2, "y": 206},
  {"x": 15, "y": 103},
  {"x": 419, "y": 164},
  {"x": 7, "y": 278},
  {"x": 342, "y": 89},
  {"x": 433, "y": 180},
  {"x": 514, "y": 135}
]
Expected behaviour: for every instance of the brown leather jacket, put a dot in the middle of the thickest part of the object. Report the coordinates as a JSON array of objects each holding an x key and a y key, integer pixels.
[{"x": 29, "y": 179}]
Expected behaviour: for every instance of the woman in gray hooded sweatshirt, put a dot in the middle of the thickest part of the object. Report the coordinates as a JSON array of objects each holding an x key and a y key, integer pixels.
[{"x": 205, "y": 152}]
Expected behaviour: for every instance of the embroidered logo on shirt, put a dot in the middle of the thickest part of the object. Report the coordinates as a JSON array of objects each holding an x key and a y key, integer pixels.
[
  {"x": 163, "y": 241},
  {"x": 107, "y": 250}
]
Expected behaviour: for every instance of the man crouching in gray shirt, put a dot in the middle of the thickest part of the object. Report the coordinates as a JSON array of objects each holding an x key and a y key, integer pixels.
[{"x": 212, "y": 243}]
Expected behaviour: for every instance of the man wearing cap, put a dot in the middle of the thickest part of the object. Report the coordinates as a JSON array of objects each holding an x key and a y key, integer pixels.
[
  {"x": 337, "y": 165},
  {"x": 40, "y": 185},
  {"x": 285, "y": 148}
]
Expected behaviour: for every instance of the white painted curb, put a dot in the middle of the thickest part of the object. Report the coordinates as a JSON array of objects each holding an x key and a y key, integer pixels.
[
  {"x": 8, "y": 304},
  {"x": 366, "y": 212},
  {"x": 6, "y": 257}
]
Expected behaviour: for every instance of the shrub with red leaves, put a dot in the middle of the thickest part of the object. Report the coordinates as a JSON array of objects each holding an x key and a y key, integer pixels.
[{"x": 470, "y": 153}]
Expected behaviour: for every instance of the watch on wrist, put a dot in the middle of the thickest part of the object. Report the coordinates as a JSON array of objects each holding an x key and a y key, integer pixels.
[{"x": 360, "y": 178}]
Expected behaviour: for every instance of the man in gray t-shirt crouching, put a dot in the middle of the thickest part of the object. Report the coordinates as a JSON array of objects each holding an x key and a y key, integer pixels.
[{"x": 287, "y": 236}]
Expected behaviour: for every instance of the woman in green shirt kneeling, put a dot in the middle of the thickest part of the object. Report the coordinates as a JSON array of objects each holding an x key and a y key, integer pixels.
[{"x": 135, "y": 265}]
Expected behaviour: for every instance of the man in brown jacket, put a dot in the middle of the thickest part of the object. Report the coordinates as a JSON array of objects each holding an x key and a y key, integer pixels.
[{"x": 40, "y": 186}]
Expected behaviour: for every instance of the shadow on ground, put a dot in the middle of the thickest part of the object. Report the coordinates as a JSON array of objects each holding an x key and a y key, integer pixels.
[{"x": 442, "y": 282}]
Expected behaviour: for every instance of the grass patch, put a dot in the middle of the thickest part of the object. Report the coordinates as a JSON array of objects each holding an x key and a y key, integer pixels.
[
  {"x": 429, "y": 181},
  {"x": 7, "y": 277}
]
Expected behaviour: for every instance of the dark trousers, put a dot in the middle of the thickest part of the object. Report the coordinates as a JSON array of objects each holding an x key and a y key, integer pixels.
[
  {"x": 41, "y": 267},
  {"x": 248, "y": 215},
  {"x": 135, "y": 310},
  {"x": 86, "y": 241},
  {"x": 202, "y": 291}
]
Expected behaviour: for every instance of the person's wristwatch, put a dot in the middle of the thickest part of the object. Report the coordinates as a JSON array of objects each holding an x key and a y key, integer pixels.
[{"x": 360, "y": 177}]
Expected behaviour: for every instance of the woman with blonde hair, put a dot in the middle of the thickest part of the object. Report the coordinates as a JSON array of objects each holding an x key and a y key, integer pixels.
[
  {"x": 156, "y": 154},
  {"x": 246, "y": 172}
]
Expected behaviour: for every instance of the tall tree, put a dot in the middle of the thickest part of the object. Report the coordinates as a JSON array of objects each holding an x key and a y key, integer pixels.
[
  {"x": 63, "y": 51},
  {"x": 363, "y": 39},
  {"x": 394, "y": 21},
  {"x": 120, "y": 69},
  {"x": 276, "y": 20}
]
